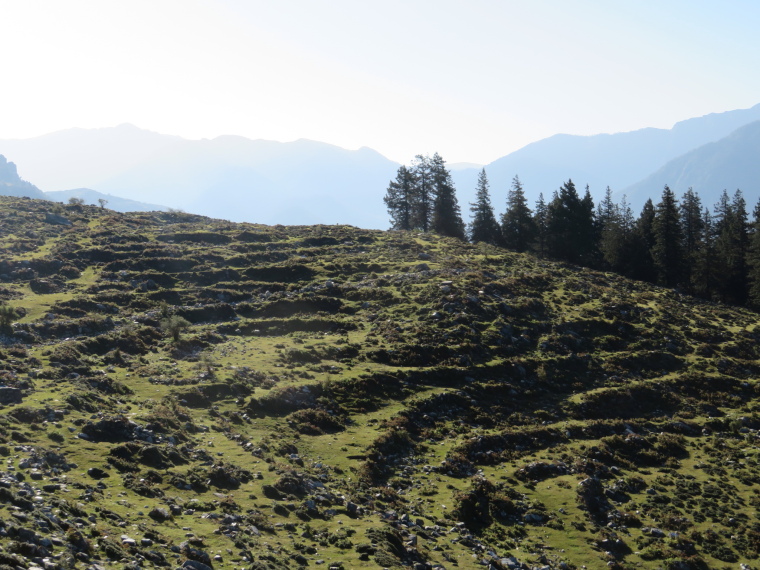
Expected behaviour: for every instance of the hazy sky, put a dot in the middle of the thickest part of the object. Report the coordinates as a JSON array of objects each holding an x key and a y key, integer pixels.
[{"x": 473, "y": 80}]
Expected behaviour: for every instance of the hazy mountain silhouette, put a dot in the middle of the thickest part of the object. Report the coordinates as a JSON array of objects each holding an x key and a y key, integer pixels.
[
  {"x": 729, "y": 163},
  {"x": 12, "y": 185},
  {"x": 306, "y": 182},
  {"x": 236, "y": 178},
  {"x": 616, "y": 160},
  {"x": 92, "y": 197}
]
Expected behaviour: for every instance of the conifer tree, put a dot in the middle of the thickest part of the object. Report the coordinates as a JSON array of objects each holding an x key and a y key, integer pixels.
[
  {"x": 692, "y": 224},
  {"x": 732, "y": 241},
  {"x": 610, "y": 230},
  {"x": 704, "y": 273},
  {"x": 571, "y": 225},
  {"x": 446, "y": 215},
  {"x": 607, "y": 211},
  {"x": 422, "y": 206},
  {"x": 642, "y": 265},
  {"x": 400, "y": 199},
  {"x": 541, "y": 220},
  {"x": 518, "y": 228},
  {"x": 589, "y": 239},
  {"x": 753, "y": 260},
  {"x": 667, "y": 252},
  {"x": 483, "y": 226}
]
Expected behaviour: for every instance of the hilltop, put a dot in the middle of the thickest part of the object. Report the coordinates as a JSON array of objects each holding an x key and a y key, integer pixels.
[{"x": 184, "y": 390}]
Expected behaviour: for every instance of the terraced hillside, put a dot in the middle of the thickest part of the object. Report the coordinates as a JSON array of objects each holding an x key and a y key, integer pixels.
[{"x": 178, "y": 390}]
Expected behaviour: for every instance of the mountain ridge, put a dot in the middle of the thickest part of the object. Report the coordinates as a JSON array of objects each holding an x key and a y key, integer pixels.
[
  {"x": 727, "y": 164},
  {"x": 306, "y": 181},
  {"x": 618, "y": 160}
]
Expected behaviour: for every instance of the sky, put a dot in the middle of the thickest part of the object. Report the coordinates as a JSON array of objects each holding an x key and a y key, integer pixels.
[{"x": 471, "y": 80}]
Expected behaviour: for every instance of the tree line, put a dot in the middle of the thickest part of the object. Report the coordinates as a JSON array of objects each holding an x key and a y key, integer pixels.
[{"x": 682, "y": 244}]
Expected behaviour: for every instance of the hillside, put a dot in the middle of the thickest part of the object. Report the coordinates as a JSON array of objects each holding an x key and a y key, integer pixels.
[{"x": 346, "y": 398}]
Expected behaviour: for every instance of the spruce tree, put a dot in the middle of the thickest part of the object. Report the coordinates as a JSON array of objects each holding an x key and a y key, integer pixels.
[
  {"x": 610, "y": 230},
  {"x": 607, "y": 211},
  {"x": 541, "y": 220},
  {"x": 642, "y": 265},
  {"x": 692, "y": 225},
  {"x": 667, "y": 252},
  {"x": 400, "y": 199},
  {"x": 483, "y": 226},
  {"x": 590, "y": 238},
  {"x": 422, "y": 205},
  {"x": 753, "y": 261},
  {"x": 518, "y": 229},
  {"x": 732, "y": 241},
  {"x": 704, "y": 273},
  {"x": 571, "y": 225},
  {"x": 629, "y": 243},
  {"x": 446, "y": 215}
]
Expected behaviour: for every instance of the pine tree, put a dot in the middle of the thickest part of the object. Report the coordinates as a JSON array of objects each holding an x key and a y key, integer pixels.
[
  {"x": 518, "y": 228},
  {"x": 541, "y": 221},
  {"x": 667, "y": 252},
  {"x": 628, "y": 237},
  {"x": 753, "y": 261},
  {"x": 590, "y": 238},
  {"x": 610, "y": 230},
  {"x": 400, "y": 199},
  {"x": 607, "y": 211},
  {"x": 483, "y": 226},
  {"x": 704, "y": 275},
  {"x": 641, "y": 263},
  {"x": 447, "y": 217},
  {"x": 732, "y": 242},
  {"x": 693, "y": 228},
  {"x": 571, "y": 225},
  {"x": 422, "y": 205}
]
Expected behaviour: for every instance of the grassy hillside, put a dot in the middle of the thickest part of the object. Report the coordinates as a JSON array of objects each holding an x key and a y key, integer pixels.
[{"x": 359, "y": 399}]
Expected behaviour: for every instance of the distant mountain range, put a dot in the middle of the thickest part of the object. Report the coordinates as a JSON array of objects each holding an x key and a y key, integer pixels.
[
  {"x": 112, "y": 202},
  {"x": 11, "y": 184},
  {"x": 622, "y": 161},
  {"x": 308, "y": 182},
  {"x": 730, "y": 163},
  {"x": 230, "y": 177}
]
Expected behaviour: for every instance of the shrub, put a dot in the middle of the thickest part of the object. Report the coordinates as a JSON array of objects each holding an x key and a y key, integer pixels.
[{"x": 174, "y": 325}]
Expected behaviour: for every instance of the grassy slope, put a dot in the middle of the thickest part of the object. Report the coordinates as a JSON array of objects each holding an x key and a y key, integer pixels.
[{"x": 363, "y": 399}]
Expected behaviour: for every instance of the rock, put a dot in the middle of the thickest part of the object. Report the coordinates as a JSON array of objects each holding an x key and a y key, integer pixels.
[
  {"x": 160, "y": 514},
  {"x": 44, "y": 286},
  {"x": 55, "y": 219},
  {"x": 195, "y": 565},
  {"x": 196, "y": 555},
  {"x": 10, "y": 395},
  {"x": 97, "y": 473}
]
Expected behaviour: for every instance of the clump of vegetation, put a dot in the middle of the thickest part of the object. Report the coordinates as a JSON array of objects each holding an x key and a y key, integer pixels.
[{"x": 174, "y": 325}]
